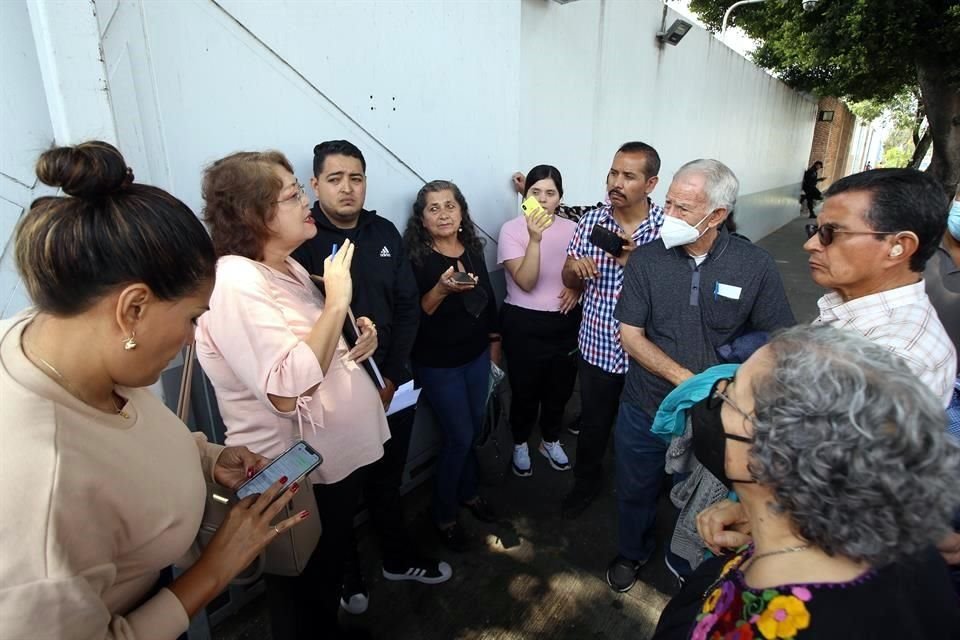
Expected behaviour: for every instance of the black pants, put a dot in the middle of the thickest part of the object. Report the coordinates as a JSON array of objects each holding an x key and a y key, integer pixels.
[
  {"x": 306, "y": 606},
  {"x": 811, "y": 195},
  {"x": 600, "y": 400},
  {"x": 381, "y": 494},
  {"x": 540, "y": 349}
]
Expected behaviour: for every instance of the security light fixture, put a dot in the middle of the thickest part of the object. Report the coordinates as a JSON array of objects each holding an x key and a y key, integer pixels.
[
  {"x": 825, "y": 116},
  {"x": 675, "y": 33},
  {"x": 809, "y": 5}
]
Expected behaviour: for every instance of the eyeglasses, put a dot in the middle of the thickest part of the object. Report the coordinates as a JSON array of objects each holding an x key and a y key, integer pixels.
[
  {"x": 826, "y": 233},
  {"x": 299, "y": 194},
  {"x": 718, "y": 397}
]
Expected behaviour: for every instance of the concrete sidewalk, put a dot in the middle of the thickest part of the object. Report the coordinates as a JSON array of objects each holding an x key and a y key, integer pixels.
[{"x": 534, "y": 575}]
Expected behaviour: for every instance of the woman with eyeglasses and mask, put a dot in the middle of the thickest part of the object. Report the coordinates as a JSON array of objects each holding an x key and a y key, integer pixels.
[
  {"x": 839, "y": 457},
  {"x": 541, "y": 318},
  {"x": 457, "y": 339},
  {"x": 273, "y": 348},
  {"x": 102, "y": 487}
]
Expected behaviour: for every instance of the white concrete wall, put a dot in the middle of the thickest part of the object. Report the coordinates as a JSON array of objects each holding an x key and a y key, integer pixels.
[
  {"x": 594, "y": 76},
  {"x": 469, "y": 91}
]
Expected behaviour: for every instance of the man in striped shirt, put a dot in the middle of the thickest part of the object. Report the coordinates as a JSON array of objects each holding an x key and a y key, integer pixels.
[{"x": 588, "y": 268}]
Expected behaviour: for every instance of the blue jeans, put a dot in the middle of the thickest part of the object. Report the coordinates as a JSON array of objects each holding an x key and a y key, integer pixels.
[
  {"x": 639, "y": 456},
  {"x": 458, "y": 396}
]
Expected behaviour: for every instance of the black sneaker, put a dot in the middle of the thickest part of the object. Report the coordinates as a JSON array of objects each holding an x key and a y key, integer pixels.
[
  {"x": 622, "y": 573},
  {"x": 454, "y": 538},
  {"x": 582, "y": 495},
  {"x": 354, "y": 598},
  {"x": 422, "y": 570},
  {"x": 481, "y": 510}
]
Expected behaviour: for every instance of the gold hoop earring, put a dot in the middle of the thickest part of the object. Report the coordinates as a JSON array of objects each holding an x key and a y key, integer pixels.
[{"x": 130, "y": 343}]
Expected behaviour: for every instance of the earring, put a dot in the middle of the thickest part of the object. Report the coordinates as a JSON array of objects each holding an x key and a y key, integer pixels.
[
  {"x": 130, "y": 343},
  {"x": 460, "y": 230}
]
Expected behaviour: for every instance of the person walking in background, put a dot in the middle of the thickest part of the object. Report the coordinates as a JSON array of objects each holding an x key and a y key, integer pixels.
[
  {"x": 541, "y": 318},
  {"x": 273, "y": 349},
  {"x": 385, "y": 291},
  {"x": 458, "y": 338},
  {"x": 811, "y": 193},
  {"x": 102, "y": 488}
]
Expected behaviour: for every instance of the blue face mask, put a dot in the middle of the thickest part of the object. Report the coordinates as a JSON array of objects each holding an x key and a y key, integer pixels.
[{"x": 953, "y": 220}]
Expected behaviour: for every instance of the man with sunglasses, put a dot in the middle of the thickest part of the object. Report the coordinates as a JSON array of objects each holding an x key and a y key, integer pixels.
[
  {"x": 876, "y": 232},
  {"x": 702, "y": 288}
]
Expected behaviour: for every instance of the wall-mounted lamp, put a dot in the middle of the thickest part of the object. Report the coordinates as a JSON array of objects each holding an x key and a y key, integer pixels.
[
  {"x": 675, "y": 33},
  {"x": 825, "y": 116}
]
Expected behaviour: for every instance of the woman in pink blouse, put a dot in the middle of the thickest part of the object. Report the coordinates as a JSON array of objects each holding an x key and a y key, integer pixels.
[{"x": 272, "y": 346}]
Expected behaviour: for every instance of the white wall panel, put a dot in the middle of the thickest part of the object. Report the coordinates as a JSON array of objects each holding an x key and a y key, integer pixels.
[{"x": 602, "y": 80}]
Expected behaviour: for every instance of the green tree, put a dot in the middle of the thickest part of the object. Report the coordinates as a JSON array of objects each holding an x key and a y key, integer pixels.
[{"x": 861, "y": 50}]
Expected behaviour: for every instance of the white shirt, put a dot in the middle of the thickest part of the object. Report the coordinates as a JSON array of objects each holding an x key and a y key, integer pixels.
[{"x": 903, "y": 321}]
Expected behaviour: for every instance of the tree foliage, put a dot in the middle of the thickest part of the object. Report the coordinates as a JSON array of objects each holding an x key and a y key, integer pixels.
[
  {"x": 866, "y": 50},
  {"x": 858, "y": 49}
]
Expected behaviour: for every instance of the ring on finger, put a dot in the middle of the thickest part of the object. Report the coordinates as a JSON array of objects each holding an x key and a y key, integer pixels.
[{"x": 276, "y": 530}]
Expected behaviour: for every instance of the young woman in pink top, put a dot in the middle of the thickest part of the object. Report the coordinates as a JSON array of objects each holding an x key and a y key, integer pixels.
[
  {"x": 273, "y": 348},
  {"x": 541, "y": 318},
  {"x": 101, "y": 486}
]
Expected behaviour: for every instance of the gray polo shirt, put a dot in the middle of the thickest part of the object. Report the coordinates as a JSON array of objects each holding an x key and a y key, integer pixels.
[
  {"x": 942, "y": 282},
  {"x": 688, "y": 310}
]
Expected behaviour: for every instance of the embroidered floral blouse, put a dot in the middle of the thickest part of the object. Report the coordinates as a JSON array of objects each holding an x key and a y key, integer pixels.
[{"x": 911, "y": 599}]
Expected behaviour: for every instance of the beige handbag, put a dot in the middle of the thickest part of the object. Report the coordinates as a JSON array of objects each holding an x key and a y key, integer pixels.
[{"x": 289, "y": 552}]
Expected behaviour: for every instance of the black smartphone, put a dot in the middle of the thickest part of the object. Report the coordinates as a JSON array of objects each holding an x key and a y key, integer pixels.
[
  {"x": 462, "y": 277},
  {"x": 607, "y": 240},
  {"x": 295, "y": 462}
]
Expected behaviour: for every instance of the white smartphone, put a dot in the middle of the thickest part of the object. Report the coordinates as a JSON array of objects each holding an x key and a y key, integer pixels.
[{"x": 295, "y": 462}]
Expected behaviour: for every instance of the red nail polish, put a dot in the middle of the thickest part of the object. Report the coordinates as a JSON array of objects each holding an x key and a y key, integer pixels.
[
  {"x": 283, "y": 479},
  {"x": 303, "y": 514},
  {"x": 250, "y": 472},
  {"x": 295, "y": 487}
]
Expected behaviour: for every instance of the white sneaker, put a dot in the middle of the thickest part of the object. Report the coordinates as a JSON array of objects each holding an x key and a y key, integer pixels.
[
  {"x": 554, "y": 453},
  {"x": 521, "y": 461}
]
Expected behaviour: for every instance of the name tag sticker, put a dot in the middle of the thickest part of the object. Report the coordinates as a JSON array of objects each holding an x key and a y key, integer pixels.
[{"x": 726, "y": 291}]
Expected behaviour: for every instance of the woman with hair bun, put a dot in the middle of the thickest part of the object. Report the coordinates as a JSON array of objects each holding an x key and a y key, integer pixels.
[{"x": 101, "y": 486}]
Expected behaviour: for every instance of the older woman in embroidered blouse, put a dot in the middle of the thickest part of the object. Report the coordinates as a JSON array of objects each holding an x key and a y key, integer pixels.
[
  {"x": 271, "y": 344},
  {"x": 839, "y": 456}
]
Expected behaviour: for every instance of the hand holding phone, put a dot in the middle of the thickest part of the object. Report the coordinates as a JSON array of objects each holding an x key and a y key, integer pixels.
[
  {"x": 607, "y": 240},
  {"x": 294, "y": 463},
  {"x": 461, "y": 277}
]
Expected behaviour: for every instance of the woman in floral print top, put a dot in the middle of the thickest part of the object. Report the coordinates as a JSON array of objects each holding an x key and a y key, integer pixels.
[{"x": 840, "y": 459}]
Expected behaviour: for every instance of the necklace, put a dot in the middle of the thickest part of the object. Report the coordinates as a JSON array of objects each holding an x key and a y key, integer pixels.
[
  {"x": 69, "y": 387},
  {"x": 766, "y": 554}
]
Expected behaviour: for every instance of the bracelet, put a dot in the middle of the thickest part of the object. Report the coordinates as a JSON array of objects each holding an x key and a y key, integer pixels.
[{"x": 496, "y": 338}]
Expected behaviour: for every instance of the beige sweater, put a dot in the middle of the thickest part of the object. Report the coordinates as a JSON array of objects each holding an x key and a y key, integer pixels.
[{"x": 92, "y": 507}]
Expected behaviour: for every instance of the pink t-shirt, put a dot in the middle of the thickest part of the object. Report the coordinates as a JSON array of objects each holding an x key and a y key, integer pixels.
[
  {"x": 250, "y": 344},
  {"x": 553, "y": 252}
]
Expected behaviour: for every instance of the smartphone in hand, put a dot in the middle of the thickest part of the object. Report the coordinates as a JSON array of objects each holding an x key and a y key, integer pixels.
[
  {"x": 462, "y": 277},
  {"x": 607, "y": 240},
  {"x": 295, "y": 463},
  {"x": 531, "y": 207}
]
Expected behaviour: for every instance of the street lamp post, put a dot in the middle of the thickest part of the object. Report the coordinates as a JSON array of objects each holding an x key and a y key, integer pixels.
[{"x": 726, "y": 14}]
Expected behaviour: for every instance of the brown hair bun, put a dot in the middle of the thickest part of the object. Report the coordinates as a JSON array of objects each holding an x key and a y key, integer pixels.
[{"x": 88, "y": 170}]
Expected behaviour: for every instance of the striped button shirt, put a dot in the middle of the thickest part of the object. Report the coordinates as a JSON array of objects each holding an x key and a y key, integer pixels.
[
  {"x": 903, "y": 321},
  {"x": 599, "y": 331}
]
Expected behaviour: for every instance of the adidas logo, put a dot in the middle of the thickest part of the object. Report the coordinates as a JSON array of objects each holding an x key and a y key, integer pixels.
[{"x": 384, "y": 253}]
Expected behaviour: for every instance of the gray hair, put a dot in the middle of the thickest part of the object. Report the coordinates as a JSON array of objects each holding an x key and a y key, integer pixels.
[
  {"x": 721, "y": 184},
  {"x": 853, "y": 446}
]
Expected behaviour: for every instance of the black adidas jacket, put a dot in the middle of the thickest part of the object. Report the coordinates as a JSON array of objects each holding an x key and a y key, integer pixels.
[{"x": 384, "y": 289}]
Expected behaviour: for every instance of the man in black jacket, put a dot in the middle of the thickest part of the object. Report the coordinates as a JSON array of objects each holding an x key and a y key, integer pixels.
[{"x": 385, "y": 291}]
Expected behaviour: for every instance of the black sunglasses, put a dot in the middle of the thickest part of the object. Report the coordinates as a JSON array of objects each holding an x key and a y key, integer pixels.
[{"x": 826, "y": 233}]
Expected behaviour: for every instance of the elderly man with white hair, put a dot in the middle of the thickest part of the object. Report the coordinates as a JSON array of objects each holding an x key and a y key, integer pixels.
[{"x": 698, "y": 291}]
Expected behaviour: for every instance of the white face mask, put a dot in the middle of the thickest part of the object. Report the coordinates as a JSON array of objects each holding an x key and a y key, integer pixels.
[
  {"x": 953, "y": 220},
  {"x": 676, "y": 232}
]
